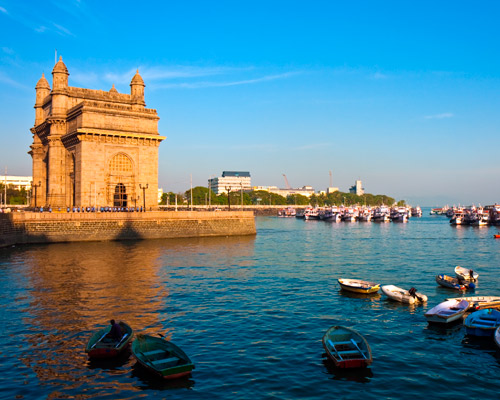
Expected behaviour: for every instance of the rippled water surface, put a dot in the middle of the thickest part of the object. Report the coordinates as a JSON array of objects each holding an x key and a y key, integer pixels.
[{"x": 250, "y": 312}]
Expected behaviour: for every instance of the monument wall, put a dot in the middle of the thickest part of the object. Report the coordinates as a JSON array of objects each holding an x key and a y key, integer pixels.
[{"x": 30, "y": 227}]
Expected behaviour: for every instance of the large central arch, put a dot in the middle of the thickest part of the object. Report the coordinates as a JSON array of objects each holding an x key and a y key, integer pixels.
[{"x": 120, "y": 180}]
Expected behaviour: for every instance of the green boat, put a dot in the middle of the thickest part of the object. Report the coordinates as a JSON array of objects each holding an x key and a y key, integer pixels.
[
  {"x": 161, "y": 357},
  {"x": 100, "y": 345}
]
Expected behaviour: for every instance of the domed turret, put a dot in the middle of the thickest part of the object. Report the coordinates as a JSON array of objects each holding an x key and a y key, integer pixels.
[
  {"x": 137, "y": 91},
  {"x": 42, "y": 91},
  {"x": 42, "y": 83},
  {"x": 137, "y": 79},
  {"x": 113, "y": 89},
  {"x": 60, "y": 75}
]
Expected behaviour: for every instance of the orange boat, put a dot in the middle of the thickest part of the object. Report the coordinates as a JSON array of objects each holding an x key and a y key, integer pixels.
[{"x": 496, "y": 236}]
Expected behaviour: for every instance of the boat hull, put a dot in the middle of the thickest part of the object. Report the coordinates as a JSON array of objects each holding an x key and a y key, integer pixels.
[
  {"x": 449, "y": 282},
  {"x": 161, "y": 357},
  {"x": 482, "y": 323},
  {"x": 99, "y": 347},
  {"x": 403, "y": 296},
  {"x": 447, "y": 312},
  {"x": 347, "y": 348},
  {"x": 464, "y": 273},
  {"x": 358, "y": 286}
]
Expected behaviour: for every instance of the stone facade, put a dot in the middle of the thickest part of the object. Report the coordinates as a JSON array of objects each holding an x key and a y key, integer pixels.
[
  {"x": 23, "y": 228},
  {"x": 93, "y": 147}
]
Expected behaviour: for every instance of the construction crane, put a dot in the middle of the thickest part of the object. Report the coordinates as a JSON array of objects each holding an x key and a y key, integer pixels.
[
  {"x": 331, "y": 181},
  {"x": 286, "y": 182}
]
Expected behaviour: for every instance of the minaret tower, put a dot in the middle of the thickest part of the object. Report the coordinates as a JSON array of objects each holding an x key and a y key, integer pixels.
[
  {"x": 42, "y": 91},
  {"x": 56, "y": 152},
  {"x": 137, "y": 92}
]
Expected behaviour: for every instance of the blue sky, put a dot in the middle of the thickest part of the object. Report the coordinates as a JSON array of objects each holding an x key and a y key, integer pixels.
[{"x": 402, "y": 95}]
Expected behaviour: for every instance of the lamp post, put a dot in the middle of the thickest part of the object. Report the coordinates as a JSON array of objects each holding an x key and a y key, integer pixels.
[
  {"x": 210, "y": 190},
  {"x": 228, "y": 188},
  {"x": 36, "y": 187},
  {"x": 144, "y": 194}
]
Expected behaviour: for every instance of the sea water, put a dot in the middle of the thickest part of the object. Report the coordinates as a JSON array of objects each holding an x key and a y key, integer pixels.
[{"x": 250, "y": 312}]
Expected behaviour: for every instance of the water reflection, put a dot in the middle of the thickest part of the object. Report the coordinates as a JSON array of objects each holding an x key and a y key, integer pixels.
[
  {"x": 362, "y": 375},
  {"x": 151, "y": 381},
  {"x": 352, "y": 295},
  {"x": 113, "y": 363}
]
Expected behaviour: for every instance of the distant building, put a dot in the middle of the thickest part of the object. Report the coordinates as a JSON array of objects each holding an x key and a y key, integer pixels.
[
  {"x": 232, "y": 181},
  {"x": 307, "y": 191},
  {"x": 18, "y": 182},
  {"x": 357, "y": 189},
  {"x": 331, "y": 190},
  {"x": 160, "y": 194}
]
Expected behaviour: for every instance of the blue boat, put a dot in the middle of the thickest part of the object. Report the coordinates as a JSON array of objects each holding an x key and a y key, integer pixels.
[{"x": 482, "y": 322}]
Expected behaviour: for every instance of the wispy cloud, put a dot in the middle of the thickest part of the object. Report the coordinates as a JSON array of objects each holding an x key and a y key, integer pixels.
[
  {"x": 313, "y": 146},
  {"x": 35, "y": 21},
  {"x": 11, "y": 82},
  {"x": 209, "y": 84},
  {"x": 7, "y": 50},
  {"x": 182, "y": 77},
  {"x": 379, "y": 75},
  {"x": 61, "y": 30},
  {"x": 151, "y": 74},
  {"x": 440, "y": 116}
]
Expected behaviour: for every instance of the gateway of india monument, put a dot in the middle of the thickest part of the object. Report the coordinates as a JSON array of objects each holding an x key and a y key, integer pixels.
[{"x": 93, "y": 148}]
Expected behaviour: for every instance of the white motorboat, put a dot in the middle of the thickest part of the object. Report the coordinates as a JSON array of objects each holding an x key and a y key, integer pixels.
[
  {"x": 402, "y": 295},
  {"x": 447, "y": 311},
  {"x": 466, "y": 274}
]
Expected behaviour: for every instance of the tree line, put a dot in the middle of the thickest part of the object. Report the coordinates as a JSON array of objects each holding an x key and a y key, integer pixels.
[
  {"x": 14, "y": 196},
  {"x": 204, "y": 196}
]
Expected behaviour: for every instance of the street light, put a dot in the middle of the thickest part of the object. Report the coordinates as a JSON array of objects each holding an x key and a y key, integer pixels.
[
  {"x": 144, "y": 194},
  {"x": 228, "y": 188},
  {"x": 241, "y": 185}
]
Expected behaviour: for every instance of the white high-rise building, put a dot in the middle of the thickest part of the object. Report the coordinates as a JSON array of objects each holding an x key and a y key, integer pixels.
[
  {"x": 230, "y": 181},
  {"x": 357, "y": 189}
]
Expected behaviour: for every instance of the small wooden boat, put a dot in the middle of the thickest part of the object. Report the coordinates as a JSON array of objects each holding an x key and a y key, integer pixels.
[
  {"x": 161, "y": 357},
  {"x": 465, "y": 274},
  {"x": 480, "y": 302},
  {"x": 450, "y": 282},
  {"x": 347, "y": 348},
  {"x": 447, "y": 311},
  {"x": 359, "y": 286},
  {"x": 482, "y": 322},
  {"x": 402, "y": 295},
  {"x": 102, "y": 346},
  {"x": 496, "y": 337}
]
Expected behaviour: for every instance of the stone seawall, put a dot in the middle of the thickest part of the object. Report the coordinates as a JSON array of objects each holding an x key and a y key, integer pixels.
[{"x": 30, "y": 227}]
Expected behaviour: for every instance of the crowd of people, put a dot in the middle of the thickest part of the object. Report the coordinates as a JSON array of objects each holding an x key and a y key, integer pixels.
[{"x": 91, "y": 209}]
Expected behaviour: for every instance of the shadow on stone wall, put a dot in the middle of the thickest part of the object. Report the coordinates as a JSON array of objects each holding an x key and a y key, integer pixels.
[
  {"x": 128, "y": 232},
  {"x": 11, "y": 235}
]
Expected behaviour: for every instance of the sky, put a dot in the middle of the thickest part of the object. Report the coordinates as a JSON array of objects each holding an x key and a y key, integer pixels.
[{"x": 404, "y": 96}]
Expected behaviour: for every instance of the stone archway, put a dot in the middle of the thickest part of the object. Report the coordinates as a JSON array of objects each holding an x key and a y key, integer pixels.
[
  {"x": 120, "y": 180},
  {"x": 120, "y": 196}
]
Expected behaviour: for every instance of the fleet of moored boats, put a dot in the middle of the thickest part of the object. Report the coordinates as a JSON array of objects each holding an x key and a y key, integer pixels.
[
  {"x": 349, "y": 349},
  {"x": 354, "y": 213},
  {"x": 472, "y": 215}
]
